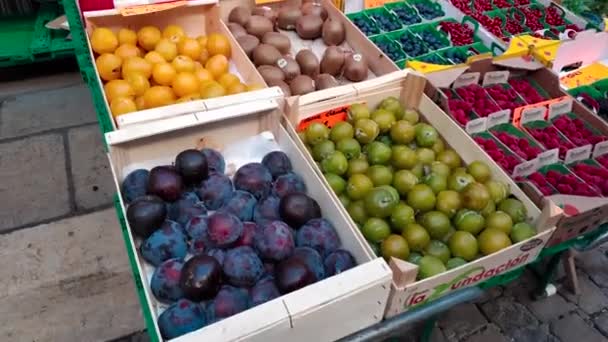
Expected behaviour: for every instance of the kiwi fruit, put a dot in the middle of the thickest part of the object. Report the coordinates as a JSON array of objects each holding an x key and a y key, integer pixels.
[
  {"x": 265, "y": 54},
  {"x": 355, "y": 67},
  {"x": 290, "y": 67},
  {"x": 239, "y": 15},
  {"x": 278, "y": 40},
  {"x": 314, "y": 8},
  {"x": 236, "y": 30},
  {"x": 325, "y": 81},
  {"x": 333, "y": 32},
  {"x": 287, "y": 17},
  {"x": 309, "y": 26},
  {"x": 267, "y": 12},
  {"x": 284, "y": 86},
  {"x": 308, "y": 62},
  {"x": 332, "y": 61},
  {"x": 271, "y": 73},
  {"x": 301, "y": 85},
  {"x": 248, "y": 43},
  {"x": 258, "y": 26}
]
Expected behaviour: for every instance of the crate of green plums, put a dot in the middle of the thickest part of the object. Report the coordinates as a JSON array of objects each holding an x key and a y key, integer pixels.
[{"x": 423, "y": 194}]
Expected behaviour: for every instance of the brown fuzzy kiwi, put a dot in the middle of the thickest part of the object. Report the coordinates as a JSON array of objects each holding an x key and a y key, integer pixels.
[
  {"x": 236, "y": 30},
  {"x": 265, "y": 54},
  {"x": 308, "y": 61},
  {"x": 290, "y": 67},
  {"x": 284, "y": 86},
  {"x": 325, "y": 81},
  {"x": 258, "y": 26},
  {"x": 248, "y": 43},
  {"x": 355, "y": 68},
  {"x": 267, "y": 12},
  {"x": 301, "y": 85},
  {"x": 271, "y": 73},
  {"x": 309, "y": 26},
  {"x": 314, "y": 8},
  {"x": 239, "y": 15},
  {"x": 288, "y": 15},
  {"x": 333, "y": 32},
  {"x": 278, "y": 40},
  {"x": 332, "y": 61}
]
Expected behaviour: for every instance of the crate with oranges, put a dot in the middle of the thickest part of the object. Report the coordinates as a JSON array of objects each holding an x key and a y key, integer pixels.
[{"x": 164, "y": 58}]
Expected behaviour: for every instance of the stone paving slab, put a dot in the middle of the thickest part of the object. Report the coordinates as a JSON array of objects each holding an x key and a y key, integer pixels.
[
  {"x": 591, "y": 298},
  {"x": 67, "y": 281},
  {"x": 573, "y": 328},
  {"x": 462, "y": 321},
  {"x": 34, "y": 184}
]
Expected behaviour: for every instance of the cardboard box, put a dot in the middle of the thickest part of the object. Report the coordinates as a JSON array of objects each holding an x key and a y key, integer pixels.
[
  {"x": 408, "y": 86},
  {"x": 198, "y": 17},
  {"x": 354, "y": 299}
]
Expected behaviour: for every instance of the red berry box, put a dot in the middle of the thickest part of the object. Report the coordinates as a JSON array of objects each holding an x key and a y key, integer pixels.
[
  {"x": 603, "y": 160},
  {"x": 541, "y": 183},
  {"x": 527, "y": 90},
  {"x": 566, "y": 182},
  {"x": 517, "y": 141},
  {"x": 593, "y": 174},
  {"x": 549, "y": 137},
  {"x": 577, "y": 130},
  {"x": 483, "y": 105},
  {"x": 497, "y": 151},
  {"x": 459, "y": 34},
  {"x": 505, "y": 96}
]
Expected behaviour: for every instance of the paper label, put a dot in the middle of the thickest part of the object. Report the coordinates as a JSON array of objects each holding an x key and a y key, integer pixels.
[
  {"x": 476, "y": 126},
  {"x": 145, "y": 9},
  {"x": 525, "y": 168},
  {"x": 259, "y": 2},
  {"x": 495, "y": 77},
  {"x": 576, "y": 154},
  {"x": 585, "y": 76},
  {"x": 600, "y": 149},
  {"x": 466, "y": 79},
  {"x": 559, "y": 108},
  {"x": 328, "y": 118},
  {"x": 376, "y": 3},
  {"x": 533, "y": 114},
  {"x": 548, "y": 157},
  {"x": 497, "y": 118}
]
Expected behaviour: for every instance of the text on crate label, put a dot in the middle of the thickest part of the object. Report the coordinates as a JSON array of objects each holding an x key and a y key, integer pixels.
[
  {"x": 470, "y": 277},
  {"x": 328, "y": 118}
]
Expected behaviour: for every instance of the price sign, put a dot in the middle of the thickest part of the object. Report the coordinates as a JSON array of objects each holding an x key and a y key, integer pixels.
[
  {"x": 376, "y": 3},
  {"x": 145, "y": 9},
  {"x": 328, "y": 118}
]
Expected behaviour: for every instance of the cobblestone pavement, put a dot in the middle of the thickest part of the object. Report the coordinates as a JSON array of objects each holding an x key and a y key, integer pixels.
[{"x": 72, "y": 271}]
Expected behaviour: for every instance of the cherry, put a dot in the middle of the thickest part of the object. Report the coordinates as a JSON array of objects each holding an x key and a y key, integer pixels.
[
  {"x": 505, "y": 96},
  {"x": 576, "y": 130},
  {"x": 532, "y": 18},
  {"x": 542, "y": 184},
  {"x": 603, "y": 160},
  {"x": 460, "y": 110},
  {"x": 553, "y": 17},
  {"x": 483, "y": 105},
  {"x": 482, "y": 5},
  {"x": 501, "y": 156},
  {"x": 519, "y": 145},
  {"x": 550, "y": 138},
  {"x": 526, "y": 90},
  {"x": 460, "y": 34}
]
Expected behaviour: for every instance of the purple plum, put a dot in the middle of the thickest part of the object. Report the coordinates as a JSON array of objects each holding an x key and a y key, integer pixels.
[
  {"x": 267, "y": 210},
  {"x": 254, "y": 178},
  {"x": 196, "y": 228},
  {"x": 319, "y": 234},
  {"x": 312, "y": 259},
  {"x": 215, "y": 191},
  {"x": 240, "y": 205},
  {"x": 165, "y": 281},
  {"x": 293, "y": 274},
  {"x": 223, "y": 229},
  {"x": 166, "y": 243},
  {"x": 338, "y": 261},
  {"x": 184, "y": 209},
  {"x": 242, "y": 266},
  {"x": 277, "y": 162},
  {"x": 135, "y": 185},
  {"x": 288, "y": 183},
  {"x": 146, "y": 214},
  {"x": 181, "y": 318},
  {"x": 274, "y": 241},
  {"x": 166, "y": 183},
  {"x": 228, "y": 302},
  {"x": 215, "y": 160},
  {"x": 201, "y": 278},
  {"x": 192, "y": 165},
  {"x": 264, "y": 291},
  {"x": 218, "y": 254}
]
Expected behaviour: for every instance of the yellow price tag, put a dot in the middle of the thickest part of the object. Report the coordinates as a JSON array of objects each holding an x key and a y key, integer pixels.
[
  {"x": 260, "y": 2},
  {"x": 585, "y": 76},
  {"x": 145, "y": 9},
  {"x": 376, "y": 3}
]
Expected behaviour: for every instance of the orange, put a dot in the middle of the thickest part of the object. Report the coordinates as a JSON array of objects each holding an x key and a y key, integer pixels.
[
  {"x": 204, "y": 56},
  {"x": 136, "y": 64},
  {"x": 122, "y": 105},
  {"x": 167, "y": 49},
  {"x": 118, "y": 88},
  {"x": 103, "y": 40},
  {"x": 202, "y": 41},
  {"x": 163, "y": 73},
  {"x": 185, "y": 83},
  {"x": 183, "y": 63},
  {"x": 189, "y": 47},
  {"x": 188, "y": 98},
  {"x": 198, "y": 65},
  {"x": 126, "y": 36},
  {"x": 174, "y": 33},
  {"x": 203, "y": 75},
  {"x": 205, "y": 83},
  {"x": 138, "y": 82},
  {"x": 154, "y": 57},
  {"x": 217, "y": 65},
  {"x": 128, "y": 50},
  {"x": 213, "y": 89},
  {"x": 109, "y": 66},
  {"x": 218, "y": 44},
  {"x": 228, "y": 79},
  {"x": 158, "y": 96},
  {"x": 139, "y": 103},
  {"x": 236, "y": 88},
  {"x": 148, "y": 37},
  {"x": 254, "y": 86}
]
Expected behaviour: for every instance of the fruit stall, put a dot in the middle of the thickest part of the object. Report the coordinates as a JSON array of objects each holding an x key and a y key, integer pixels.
[{"x": 282, "y": 163}]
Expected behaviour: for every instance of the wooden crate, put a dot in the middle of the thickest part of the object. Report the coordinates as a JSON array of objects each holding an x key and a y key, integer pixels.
[
  {"x": 324, "y": 311},
  {"x": 409, "y": 87}
]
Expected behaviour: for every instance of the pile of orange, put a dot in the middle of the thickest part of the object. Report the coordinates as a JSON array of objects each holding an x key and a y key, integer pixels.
[{"x": 153, "y": 68}]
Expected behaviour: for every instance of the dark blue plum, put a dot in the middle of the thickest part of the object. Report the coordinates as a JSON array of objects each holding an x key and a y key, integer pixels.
[
  {"x": 267, "y": 210},
  {"x": 269, "y": 269},
  {"x": 198, "y": 246},
  {"x": 185, "y": 209},
  {"x": 196, "y": 228},
  {"x": 228, "y": 302},
  {"x": 277, "y": 162},
  {"x": 254, "y": 178},
  {"x": 169, "y": 242},
  {"x": 218, "y": 254},
  {"x": 264, "y": 291},
  {"x": 319, "y": 234},
  {"x": 312, "y": 259},
  {"x": 338, "y": 261},
  {"x": 242, "y": 266},
  {"x": 274, "y": 241},
  {"x": 215, "y": 191},
  {"x": 223, "y": 229},
  {"x": 215, "y": 160},
  {"x": 181, "y": 318},
  {"x": 135, "y": 185},
  {"x": 165, "y": 281},
  {"x": 287, "y": 184},
  {"x": 241, "y": 205},
  {"x": 249, "y": 230}
]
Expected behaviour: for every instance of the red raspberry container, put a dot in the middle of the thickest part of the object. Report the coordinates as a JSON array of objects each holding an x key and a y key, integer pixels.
[{"x": 95, "y": 5}]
